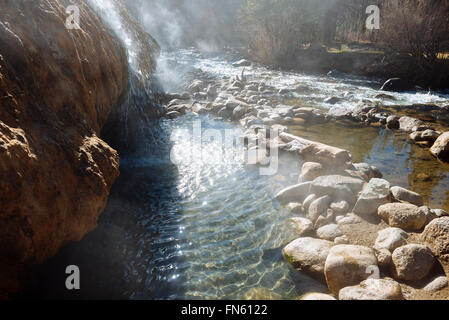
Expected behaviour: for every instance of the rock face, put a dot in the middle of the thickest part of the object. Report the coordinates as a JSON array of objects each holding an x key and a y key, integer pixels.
[
  {"x": 440, "y": 149},
  {"x": 412, "y": 262},
  {"x": 373, "y": 289},
  {"x": 404, "y": 216},
  {"x": 436, "y": 237},
  {"x": 57, "y": 90},
  {"x": 308, "y": 255},
  {"x": 436, "y": 284},
  {"x": 375, "y": 194},
  {"x": 348, "y": 265}
]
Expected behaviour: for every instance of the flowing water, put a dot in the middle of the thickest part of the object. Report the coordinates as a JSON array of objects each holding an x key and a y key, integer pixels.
[{"x": 198, "y": 228}]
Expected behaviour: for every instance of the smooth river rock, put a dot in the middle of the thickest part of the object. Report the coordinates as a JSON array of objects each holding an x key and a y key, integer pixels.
[
  {"x": 373, "y": 289},
  {"x": 318, "y": 207},
  {"x": 404, "y": 216},
  {"x": 375, "y": 194},
  {"x": 436, "y": 237},
  {"x": 329, "y": 232},
  {"x": 412, "y": 262},
  {"x": 311, "y": 171},
  {"x": 303, "y": 226},
  {"x": 294, "y": 193},
  {"x": 314, "y": 296},
  {"x": 348, "y": 265},
  {"x": 440, "y": 148},
  {"x": 436, "y": 284},
  {"x": 308, "y": 255},
  {"x": 404, "y": 195}
]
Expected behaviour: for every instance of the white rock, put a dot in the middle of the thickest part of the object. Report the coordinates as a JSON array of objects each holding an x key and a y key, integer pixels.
[
  {"x": 341, "y": 207},
  {"x": 404, "y": 195},
  {"x": 437, "y": 284},
  {"x": 303, "y": 226},
  {"x": 373, "y": 289},
  {"x": 349, "y": 219},
  {"x": 318, "y": 207},
  {"x": 390, "y": 239},
  {"x": 341, "y": 240},
  {"x": 329, "y": 232},
  {"x": 317, "y": 296},
  {"x": 375, "y": 194},
  {"x": 311, "y": 171},
  {"x": 308, "y": 255},
  {"x": 348, "y": 265}
]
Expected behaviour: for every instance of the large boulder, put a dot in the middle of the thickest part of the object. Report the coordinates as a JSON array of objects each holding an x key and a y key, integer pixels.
[
  {"x": 375, "y": 194},
  {"x": 373, "y": 289},
  {"x": 404, "y": 195},
  {"x": 404, "y": 216},
  {"x": 412, "y": 262},
  {"x": 339, "y": 187},
  {"x": 308, "y": 255},
  {"x": 436, "y": 237},
  {"x": 440, "y": 148},
  {"x": 390, "y": 239},
  {"x": 348, "y": 265}
]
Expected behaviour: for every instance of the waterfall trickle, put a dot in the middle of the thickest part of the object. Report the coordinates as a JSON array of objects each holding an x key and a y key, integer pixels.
[{"x": 132, "y": 121}]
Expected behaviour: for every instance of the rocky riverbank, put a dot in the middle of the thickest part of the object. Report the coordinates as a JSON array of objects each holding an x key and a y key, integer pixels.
[
  {"x": 362, "y": 236},
  {"x": 58, "y": 87}
]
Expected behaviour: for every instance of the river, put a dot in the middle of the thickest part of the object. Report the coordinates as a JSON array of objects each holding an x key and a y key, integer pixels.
[{"x": 208, "y": 229}]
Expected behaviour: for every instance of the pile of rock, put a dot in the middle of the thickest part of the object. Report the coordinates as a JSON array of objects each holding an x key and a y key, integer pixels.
[{"x": 333, "y": 193}]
